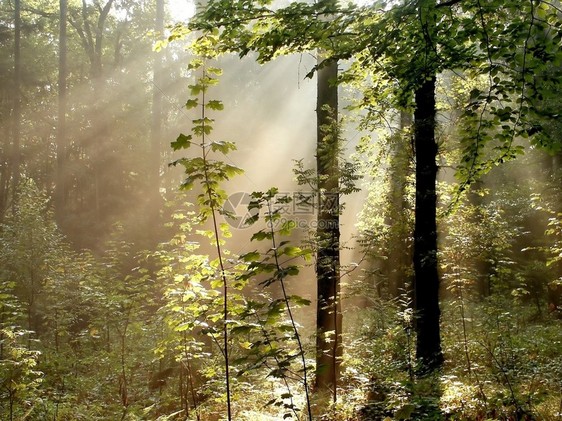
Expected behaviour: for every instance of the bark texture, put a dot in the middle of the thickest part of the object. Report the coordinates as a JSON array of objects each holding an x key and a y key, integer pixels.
[{"x": 329, "y": 319}]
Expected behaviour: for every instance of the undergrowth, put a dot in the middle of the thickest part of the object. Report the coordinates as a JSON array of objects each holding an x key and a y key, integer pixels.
[{"x": 515, "y": 367}]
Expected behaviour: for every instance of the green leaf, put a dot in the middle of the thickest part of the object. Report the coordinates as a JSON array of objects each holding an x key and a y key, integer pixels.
[
  {"x": 201, "y": 129},
  {"x": 261, "y": 235},
  {"x": 292, "y": 251},
  {"x": 215, "y": 105},
  {"x": 159, "y": 45},
  {"x": 187, "y": 184},
  {"x": 214, "y": 70},
  {"x": 195, "y": 64},
  {"x": 241, "y": 330},
  {"x": 288, "y": 271},
  {"x": 231, "y": 171},
  {"x": 300, "y": 301},
  {"x": 287, "y": 227},
  {"x": 252, "y": 256},
  {"x": 182, "y": 142},
  {"x": 191, "y": 103},
  {"x": 196, "y": 89},
  {"x": 223, "y": 147},
  {"x": 250, "y": 220}
]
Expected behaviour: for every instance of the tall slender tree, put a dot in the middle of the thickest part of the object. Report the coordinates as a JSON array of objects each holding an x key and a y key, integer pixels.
[
  {"x": 157, "y": 86},
  {"x": 328, "y": 313},
  {"x": 61, "y": 185},
  {"x": 16, "y": 127},
  {"x": 426, "y": 276},
  {"x": 153, "y": 198}
]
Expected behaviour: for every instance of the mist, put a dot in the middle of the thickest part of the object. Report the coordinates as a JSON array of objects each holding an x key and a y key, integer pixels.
[{"x": 125, "y": 296}]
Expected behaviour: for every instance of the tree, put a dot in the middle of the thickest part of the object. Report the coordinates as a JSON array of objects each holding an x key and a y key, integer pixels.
[
  {"x": 93, "y": 43},
  {"x": 62, "y": 182},
  {"x": 426, "y": 277},
  {"x": 157, "y": 86},
  {"x": 420, "y": 76},
  {"x": 16, "y": 111},
  {"x": 328, "y": 306},
  {"x": 28, "y": 239},
  {"x": 410, "y": 45}
]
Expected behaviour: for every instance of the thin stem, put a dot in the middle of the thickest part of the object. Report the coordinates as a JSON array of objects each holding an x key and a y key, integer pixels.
[
  {"x": 290, "y": 313},
  {"x": 209, "y": 192},
  {"x": 409, "y": 346},
  {"x": 465, "y": 337}
]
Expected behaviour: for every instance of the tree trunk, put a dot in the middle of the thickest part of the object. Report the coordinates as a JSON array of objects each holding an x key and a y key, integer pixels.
[
  {"x": 154, "y": 198},
  {"x": 61, "y": 180},
  {"x": 16, "y": 128},
  {"x": 426, "y": 282},
  {"x": 329, "y": 318},
  {"x": 156, "y": 127},
  {"x": 400, "y": 249}
]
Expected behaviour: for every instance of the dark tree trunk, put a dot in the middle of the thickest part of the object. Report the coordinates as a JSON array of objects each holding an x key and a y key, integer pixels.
[
  {"x": 426, "y": 282},
  {"x": 329, "y": 319}
]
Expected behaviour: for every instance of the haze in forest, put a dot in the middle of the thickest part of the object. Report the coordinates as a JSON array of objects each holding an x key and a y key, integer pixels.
[{"x": 391, "y": 250}]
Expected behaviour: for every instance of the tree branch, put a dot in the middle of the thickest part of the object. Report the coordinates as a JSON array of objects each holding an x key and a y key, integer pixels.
[{"x": 448, "y": 3}]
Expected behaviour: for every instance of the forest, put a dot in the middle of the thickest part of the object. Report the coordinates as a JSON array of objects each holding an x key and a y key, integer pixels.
[{"x": 271, "y": 209}]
